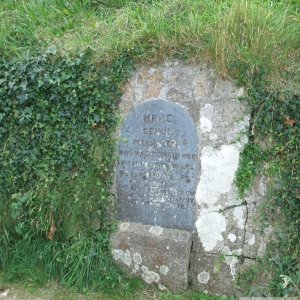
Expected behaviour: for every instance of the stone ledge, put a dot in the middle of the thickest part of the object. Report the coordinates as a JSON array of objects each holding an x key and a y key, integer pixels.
[{"x": 157, "y": 255}]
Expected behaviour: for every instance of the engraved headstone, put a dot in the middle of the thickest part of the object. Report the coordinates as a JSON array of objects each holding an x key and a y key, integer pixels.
[{"x": 157, "y": 167}]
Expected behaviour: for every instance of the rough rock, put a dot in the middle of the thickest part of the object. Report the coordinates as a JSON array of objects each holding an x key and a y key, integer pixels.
[
  {"x": 214, "y": 273},
  {"x": 221, "y": 232},
  {"x": 225, "y": 225},
  {"x": 155, "y": 254},
  {"x": 256, "y": 235}
]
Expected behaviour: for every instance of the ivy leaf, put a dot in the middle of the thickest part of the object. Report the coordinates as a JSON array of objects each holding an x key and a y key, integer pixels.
[
  {"x": 23, "y": 85},
  {"x": 23, "y": 98},
  {"x": 96, "y": 118}
]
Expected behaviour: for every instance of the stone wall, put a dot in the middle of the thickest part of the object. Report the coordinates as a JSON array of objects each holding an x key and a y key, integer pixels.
[{"x": 225, "y": 234}]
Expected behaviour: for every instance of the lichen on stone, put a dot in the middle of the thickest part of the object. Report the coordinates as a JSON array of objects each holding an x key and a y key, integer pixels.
[
  {"x": 124, "y": 226},
  {"x": 127, "y": 258},
  {"x": 231, "y": 261},
  {"x": 149, "y": 276},
  {"x": 156, "y": 230},
  {"x": 210, "y": 228},
  {"x": 232, "y": 237},
  {"x": 118, "y": 254},
  {"x": 163, "y": 269},
  {"x": 239, "y": 215},
  {"x": 203, "y": 277},
  {"x": 162, "y": 287},
  {"x": 137, "y": 258},
  {"x": 205, "y": 124}
]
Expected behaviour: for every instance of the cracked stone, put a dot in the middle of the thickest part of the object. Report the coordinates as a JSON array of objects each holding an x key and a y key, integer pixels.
[
  {"x": 226, "y": 225},
  {"x": 256, "y": 235},
  {"x": 214, "y": 273},
  {"x": 165, "y": 257},
  {"x": 228, "y": 231}
]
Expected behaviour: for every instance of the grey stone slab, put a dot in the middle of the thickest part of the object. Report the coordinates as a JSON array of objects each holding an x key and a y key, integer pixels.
[
  {"x": 157, "y": 255},
  {"x": 221, "y": 232},
  {"x": 258, "y": 234},
  {"x": 157, "y": 169},
  {"x": 215, "y": 274},
  {"x": 225, "y": 225}
]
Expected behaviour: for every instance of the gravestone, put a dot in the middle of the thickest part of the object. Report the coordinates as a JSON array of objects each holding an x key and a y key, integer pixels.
[
  {"x": 162, "y": 238},
  {"x": 157, "y": 167}
]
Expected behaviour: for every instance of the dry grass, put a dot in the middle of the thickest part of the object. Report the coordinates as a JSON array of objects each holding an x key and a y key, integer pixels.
[{"x": 255, "y": 32}]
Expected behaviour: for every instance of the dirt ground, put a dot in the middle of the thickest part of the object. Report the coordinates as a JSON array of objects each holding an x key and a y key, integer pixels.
[
  {"x": 54, "y": 292},
  {"x": 14, "y": 292}
]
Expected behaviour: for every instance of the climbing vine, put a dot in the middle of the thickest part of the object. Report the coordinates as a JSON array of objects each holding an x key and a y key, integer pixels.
[
  {"x": 57, "y": 116},
  {"x": 273, "y": 150}
]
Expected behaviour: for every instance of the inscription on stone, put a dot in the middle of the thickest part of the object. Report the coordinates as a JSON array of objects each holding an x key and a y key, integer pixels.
[{"x": 157, "y": 167}]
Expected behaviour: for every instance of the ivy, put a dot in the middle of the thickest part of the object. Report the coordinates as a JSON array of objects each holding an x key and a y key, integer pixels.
[
  {"x": 274, "y": 149},
  {"x": 57, "y": 118},
  {"x": 50, "y": 107}
]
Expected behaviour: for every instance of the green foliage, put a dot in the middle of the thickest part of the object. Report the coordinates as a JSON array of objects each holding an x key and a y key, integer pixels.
[
  {"x": 58, "y": 115},
  {"x": 58, "y": 112},
  {"x": 275, "y": 126},
  {"x": 191, "y": 296},
  {"x": 269, "y": 70},
  {"x": 260, "y": 34},
  {"x": 250, "y": 31},
  {"x": 51, "y": 111},
  {"x": 116, "y": 4},
  {"x": 250, "y": 163}
]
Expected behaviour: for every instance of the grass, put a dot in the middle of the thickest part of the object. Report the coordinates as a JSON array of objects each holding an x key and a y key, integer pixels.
[
  {"x": 27, "y": 290},
  {"x": 250, "y": 31},
  {"x": 257, "y": 34}
]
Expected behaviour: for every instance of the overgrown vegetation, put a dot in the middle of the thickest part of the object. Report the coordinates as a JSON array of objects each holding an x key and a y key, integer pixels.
[
  {"x": 274, "y": 152},
  {"x": 56, "y": 161},
  {"x": 58, "y": 112},
  {"x": 28, "y": 291}
]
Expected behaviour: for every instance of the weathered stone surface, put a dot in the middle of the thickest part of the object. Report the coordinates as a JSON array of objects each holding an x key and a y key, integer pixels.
[
  {"x": 225, "y": 89},
  {"x": 258, "y": 287},
  {"x": 225, "y": 225},
  {"x": 157, "y": 169},
  {"x": 221, "y": 232},
  {"x": 154, "y": 84},
  {"x": 256, "y": 235},
  {"x": 214, "y": 273},
  {"x": 157, "y": 255}
]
